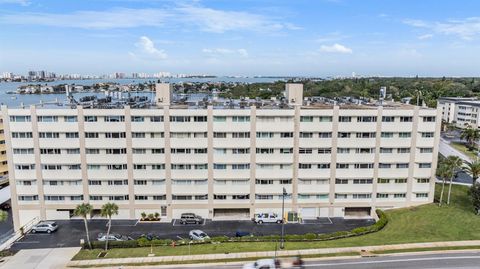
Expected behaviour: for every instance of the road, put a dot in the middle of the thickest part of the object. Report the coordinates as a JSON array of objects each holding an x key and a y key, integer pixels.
[
  {"x": 71, "y": 231},
  {"x": 465, "y": 260},
  {"x": 446, "y": 150}
]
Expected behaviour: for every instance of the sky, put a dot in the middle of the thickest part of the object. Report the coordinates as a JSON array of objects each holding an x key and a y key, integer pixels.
[{"x": 250, "y": 37}]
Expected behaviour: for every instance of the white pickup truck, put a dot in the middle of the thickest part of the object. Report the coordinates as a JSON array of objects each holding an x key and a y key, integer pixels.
[
  {"x": 296, "y": 262},
  {"x": 267, "y": 218}
]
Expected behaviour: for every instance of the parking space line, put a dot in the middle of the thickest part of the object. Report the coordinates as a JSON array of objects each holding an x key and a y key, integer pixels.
[
  {"x": 174, "y": 220},
  {"x": 331, "y": 222}
]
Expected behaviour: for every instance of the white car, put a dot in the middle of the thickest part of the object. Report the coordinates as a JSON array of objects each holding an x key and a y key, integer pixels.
[
  {"x": 267, "y": 218},
  {"x": 198, "y": 235},
  {"x": 113, "y": 237},
  {"x": 263, "y": 264}
]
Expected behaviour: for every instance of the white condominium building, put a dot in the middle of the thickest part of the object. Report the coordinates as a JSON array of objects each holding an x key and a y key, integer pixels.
[
  {"x": 221, "y": 159},
  {"x": 462, "y": 111}
]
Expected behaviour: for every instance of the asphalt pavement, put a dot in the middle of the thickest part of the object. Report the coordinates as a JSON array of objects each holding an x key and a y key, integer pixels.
[{"x": 71, "y": 231}]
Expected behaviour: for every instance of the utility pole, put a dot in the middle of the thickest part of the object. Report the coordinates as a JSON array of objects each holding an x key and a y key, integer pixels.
[{"x": 282, "y": 239}]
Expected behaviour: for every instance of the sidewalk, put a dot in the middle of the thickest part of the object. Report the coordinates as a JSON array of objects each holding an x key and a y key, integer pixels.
[
  {"x": 253, "y": 255},
  {"x": 48, "y": 258}
]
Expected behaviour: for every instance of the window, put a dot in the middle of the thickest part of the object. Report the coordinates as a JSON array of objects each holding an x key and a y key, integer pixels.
[
  {"x": 200, "y": 118},
  {"x": 138, "y": 119},
  {"x": 421, "y": 195},
  {"x": 383, "y": 180},
  {"x": 158, "y": 151},
  {"x": 93, "y": 167},
  {"x": 424, "y": 165},
  {"x": 156, "y": 118},
  {"x": 116, "y": 151},
  {"x": 363, "y": 166},
  {"x": 115, "y": 135},
  {"x": 219, "y": 197},
  {"x": 343, "y": 150},
  {"x": 386, "y": 150},
  {"x": 362, "y": 195},
  {"x": 114, "y": 118},
  {"x": 342, "y": 165},
  {"x": 382, "y": 195},
  {"x": 399, "y": 195},
  {"x": 117, "y": 182},
  {"x": 306, "y": 135},
  {"x": 388, "y": 119},
  {"x": 323, "y": 166},
  {"x": 20, "y": 119},
  {"x": 384, "y": 165},
  {"x": 366, "y": 135},
  {"x": 241, "y": 118},
  {"x": 219, "y": 118},
  {"x": 306, "y": 118},
  {"x": 365, "y": 150},
  {"x": 182, "y": 197},
  {"x": 305, "y": 150},
  {"x": 157, "y": 182},
  {"x": 426, "y": 150},
  {"x": 74, "y": 167},
  {"x": 139, "y": 151},
  {"x": 400, "y": 180},
  {"x": 324, "y": 150},
  {"x": 406, "y": 119},
  {"x": 203, "y": 166},
  {"x": 157, "y": 135},
  {"x": 218, "y": 166},
  {"x": 341, "y": 181},
  {"x": 28, "y": 197},
  {"x": 76, "y": 197},
  {"x": 219, "y": 135},
  {"x": 200, "y": 151},
  {"x": 402, "y": 165},
  {"x": 344, "y": 135},
  {"x": 71, "y": 135},
  {"x": 22, "y": 135},
  {"x": 91, "y": 118},
  {"x": 404, "y": 135},
  {"x": 96, "y": 198},
  {"x": 344, "y": 119},
  {"x": 325, "y": 135},
  {"x": 304, "y": 166},
  {"x": 180, "y": 118},
  {"x": 48, "y": 135},
  {"x": 242, "y": 166},
  {"x": 423, "y": 180},
  {"x": 138, "y": 135},
  {"x": 387, "y": 135},
  {"x": 118, "y": 197},
  {"x": 117, "y": 167},
  {"x": 23, "y": 151},
  {"x": 429, "y": 119},
  {"x": 340, "y": 196},
  {"x": 180, "y": 151},
  {"x": 325, "y": 118},
  {"x": 241, "y": 135},
  {"x": 240, "y": 151},
  {"x": 264, "y": 181},
  {"x": 92, "y": 151},
  {"x": 427, "y": 134},
  {"x": 47, "y": 119},
  {"x": 158, "y": 198},
  {"x": 51, "y": 167},
  {"x": 25, "y": 166},
  {"x": 286, "y": 150},
  {"x": 139, "y": 167},
  {"x": 200, "y": 135},
  {"x": 363, "y": 181},
  {"x": 264, "y": 134},
  {"x": 141, "y": 197},
  {"x": 158, "y": 166},
  {"x": 50, "y": 151},
  {"x": 263, "y": 197},
  {"x": 94, "y": 182},
  {"x": 367, "y": 119},
  {"x": 403, "y": 150},
  {"x": 264, "y": 151},
  {"x": 241, "y": 197},
  {"x": 91, "y": 135}
]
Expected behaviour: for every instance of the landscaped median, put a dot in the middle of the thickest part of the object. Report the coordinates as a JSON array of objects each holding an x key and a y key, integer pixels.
[{"x": 427, "y": 223}]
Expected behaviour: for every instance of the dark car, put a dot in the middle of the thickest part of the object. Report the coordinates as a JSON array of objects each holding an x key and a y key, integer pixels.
[{"x": 190, "y": 218}]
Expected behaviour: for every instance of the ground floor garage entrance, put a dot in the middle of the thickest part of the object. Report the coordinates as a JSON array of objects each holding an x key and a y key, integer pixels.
[
  {"x": 231, "y": 213},
  {"x": 308, "y": 213},
  {"x": 357, "y": 212}
]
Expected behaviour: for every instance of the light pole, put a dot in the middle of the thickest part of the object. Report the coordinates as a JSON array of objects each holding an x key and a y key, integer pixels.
[{"x": 282, "y": 240}]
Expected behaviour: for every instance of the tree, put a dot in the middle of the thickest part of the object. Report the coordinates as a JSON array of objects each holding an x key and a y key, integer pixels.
[
  {"x": 108, "y": 210},
  {"x": 84, "y": 210},
  {"x": 471, "y": 135},
  {"x": 473, "y": 169},
  {"x": 475, "y": 194},
  {"x": 3, "y": 215},
  {"x": 444, "y": 172},
  {"x": 454, "y": 163}
]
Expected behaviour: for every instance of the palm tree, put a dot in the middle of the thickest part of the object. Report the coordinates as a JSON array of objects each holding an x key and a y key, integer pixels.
[
  {"x": 454, "y": 163},
  {"x": 444, "y": 172},
  {"x": 84, "y": 210},
  {"x": 108, "y": 210},
  {"x": 471, "y": 135},
  {"x": 473, "y": 168},
  {"x": 3, "y": 215}
]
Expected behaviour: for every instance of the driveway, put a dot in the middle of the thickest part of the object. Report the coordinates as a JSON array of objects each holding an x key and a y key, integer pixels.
[{"x": 71, "y": 231}]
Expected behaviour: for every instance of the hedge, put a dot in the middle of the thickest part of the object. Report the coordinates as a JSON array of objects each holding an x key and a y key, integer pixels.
[{"x": 143, "y": 242}]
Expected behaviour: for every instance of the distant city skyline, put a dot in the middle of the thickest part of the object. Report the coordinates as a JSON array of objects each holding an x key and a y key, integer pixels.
[{"x": 242, "y": 38}]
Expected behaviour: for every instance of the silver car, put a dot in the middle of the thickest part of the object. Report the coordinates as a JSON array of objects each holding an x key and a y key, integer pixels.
[
  {"x": 198, "y": 235},
  {"x": 113, "y": 237},
  {"x": 45, "y": 226}
]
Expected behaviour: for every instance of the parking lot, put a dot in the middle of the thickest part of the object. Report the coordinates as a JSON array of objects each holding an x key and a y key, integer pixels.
[{"x": 71, "y": 231}]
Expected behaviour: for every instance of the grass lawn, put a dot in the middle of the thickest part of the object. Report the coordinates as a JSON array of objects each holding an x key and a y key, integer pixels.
[
  {"x": 427, "y": 223},
  {"x": 462, "y": 148}
]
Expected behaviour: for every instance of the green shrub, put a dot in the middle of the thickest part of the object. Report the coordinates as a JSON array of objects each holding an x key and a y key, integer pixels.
[
  {"x": 220, "y": 239},
  {"x": 114, "y": 244}
]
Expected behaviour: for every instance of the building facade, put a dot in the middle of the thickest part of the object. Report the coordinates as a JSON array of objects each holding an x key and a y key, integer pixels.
[
  {"x": 220, "y": 163},
  {"x": 3, "y": 153},
  {"x": 462, "y": 111}
]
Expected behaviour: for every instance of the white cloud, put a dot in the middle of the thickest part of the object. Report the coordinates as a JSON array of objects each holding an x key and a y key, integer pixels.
[
  {"x": 147, "y": 47},
  {"x": 426, "y": 36},
  {"x": 17, "y": 2},
  {"x": 207, "y": 19},
  {"x": 466, "y": 29},
  {"x": 336, "y": 48},
  {"x": 223, "y": 52}
]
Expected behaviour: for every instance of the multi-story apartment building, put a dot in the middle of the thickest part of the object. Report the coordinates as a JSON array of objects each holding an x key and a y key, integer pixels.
[
  {"x": 221, "y": 160},
  {"x": 462, "y": 111},
  {"x": 3, "y": 154}
]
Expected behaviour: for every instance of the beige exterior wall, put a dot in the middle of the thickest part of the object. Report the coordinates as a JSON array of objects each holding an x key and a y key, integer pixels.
[
  {"x": 221, "y": 160},
  {"x": 3, "y": 150}
]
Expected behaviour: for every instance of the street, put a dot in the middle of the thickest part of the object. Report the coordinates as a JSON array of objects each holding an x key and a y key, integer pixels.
[
  {"x": 465, "y": 260},
  {"x": 71, "y": 231}
]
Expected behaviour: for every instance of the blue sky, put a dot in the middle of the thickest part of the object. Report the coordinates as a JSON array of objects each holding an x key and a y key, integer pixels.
[{"x": 251, "y": 37}]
